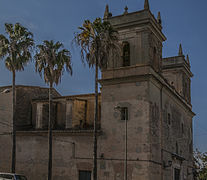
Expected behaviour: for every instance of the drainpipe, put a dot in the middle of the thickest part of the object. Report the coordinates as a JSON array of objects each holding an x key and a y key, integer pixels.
[{"x": 161, "y": 132}]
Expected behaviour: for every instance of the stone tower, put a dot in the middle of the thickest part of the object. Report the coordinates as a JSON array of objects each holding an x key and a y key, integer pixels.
[{"x": 153, "y": 96}]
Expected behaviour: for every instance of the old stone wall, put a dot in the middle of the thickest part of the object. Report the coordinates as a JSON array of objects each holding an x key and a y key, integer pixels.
[
  {"x": 5, "y": 109},
  {"x": 5, "y": 128},
  {"x": 70, "y": 154},
  {"x": 155, "y": 131},
  {"x": 134, "y": 96},
  {"x": 177, "y": 133},
  {"x": 172, "y": 135}
]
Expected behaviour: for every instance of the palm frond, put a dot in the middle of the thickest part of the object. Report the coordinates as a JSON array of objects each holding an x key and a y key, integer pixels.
[
  {"x": 17, "y": 48},
  {"x": 97, "y": 41},
  {"x": 51, "y": 60},
  {"x": 4, "y": 46}
]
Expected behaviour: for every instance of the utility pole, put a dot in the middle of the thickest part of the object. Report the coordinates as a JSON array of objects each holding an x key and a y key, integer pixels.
[
  {"x": 125, "y": 112},
  {"x": 13, "y": 168},
  {"x": 50, "y": 126}
]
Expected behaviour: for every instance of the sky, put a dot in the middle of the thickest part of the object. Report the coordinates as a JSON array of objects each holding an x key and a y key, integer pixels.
[{"x": 184, "y": 21}]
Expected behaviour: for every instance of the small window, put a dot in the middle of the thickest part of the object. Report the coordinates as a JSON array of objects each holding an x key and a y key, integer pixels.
[
  {"x": 124, "y": 113},
  {"x": 126, "y": 54},
  {"x": 182, "y": 126},
  {"x": 169, "y": 118},
  {"x": 84, "y": 175},
  {"x": 176, "y": 174}
]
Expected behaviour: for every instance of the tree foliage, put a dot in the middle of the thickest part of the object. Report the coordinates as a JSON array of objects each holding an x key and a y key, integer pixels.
[
  {"x": 98, "y": 41},
  {"x": 16, "y": 48},
  {"x": 52, "y": 60},
  {"x": 200, "y": 163}
]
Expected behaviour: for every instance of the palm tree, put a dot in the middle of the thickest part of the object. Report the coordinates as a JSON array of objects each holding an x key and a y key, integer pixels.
[
  {"x": 16, "y": 51},
  {"x": 50, "y": 61},
  {"x": 97, "y": 40}
]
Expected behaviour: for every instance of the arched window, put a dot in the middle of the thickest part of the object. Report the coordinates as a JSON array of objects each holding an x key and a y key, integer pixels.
[{"x": 126, "y": 53}]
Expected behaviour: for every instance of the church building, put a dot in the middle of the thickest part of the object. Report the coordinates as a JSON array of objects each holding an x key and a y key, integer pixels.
[{"x": 145, "y": 115}]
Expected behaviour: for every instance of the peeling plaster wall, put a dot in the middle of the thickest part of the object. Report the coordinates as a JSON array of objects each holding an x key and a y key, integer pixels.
[
  {"x": 112, "y": 142},
  {"x": 68, "y": 158}
]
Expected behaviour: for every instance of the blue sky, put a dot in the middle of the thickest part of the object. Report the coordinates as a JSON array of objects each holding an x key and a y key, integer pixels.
[{"x": 184, "y": 21}]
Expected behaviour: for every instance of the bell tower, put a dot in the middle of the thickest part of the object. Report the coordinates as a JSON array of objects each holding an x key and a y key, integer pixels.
[{"x": 141, "y": 36}]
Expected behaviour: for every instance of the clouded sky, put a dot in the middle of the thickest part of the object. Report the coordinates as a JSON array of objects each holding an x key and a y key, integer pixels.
[{"x": 184, "y": 21}]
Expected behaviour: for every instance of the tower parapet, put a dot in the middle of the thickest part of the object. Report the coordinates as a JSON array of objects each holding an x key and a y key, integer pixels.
[{"x": 178, "y": 74}]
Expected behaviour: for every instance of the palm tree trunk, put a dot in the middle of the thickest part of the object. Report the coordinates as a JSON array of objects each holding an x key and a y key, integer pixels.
[
  {"x": 95, "y": 125},
  {"x": 50, "y": 136},
  {"x": 14, "y": 124}
]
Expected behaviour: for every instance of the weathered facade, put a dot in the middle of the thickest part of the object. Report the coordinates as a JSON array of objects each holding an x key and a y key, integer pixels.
[{"x": 153, "y": 96}]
